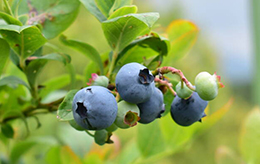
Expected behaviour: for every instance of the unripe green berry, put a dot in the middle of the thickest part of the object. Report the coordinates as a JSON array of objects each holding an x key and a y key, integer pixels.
[
  {"x": 112, "y": 128},
  {"x": 127, "y": 115},
  {"x": 102, "y": 136},
  {"x": 207, "y": 85},
  {"x": 183, "y": 92}
]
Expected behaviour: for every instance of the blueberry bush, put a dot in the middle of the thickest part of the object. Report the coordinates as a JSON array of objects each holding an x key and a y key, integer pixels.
[{"x": 130, "y": 89}]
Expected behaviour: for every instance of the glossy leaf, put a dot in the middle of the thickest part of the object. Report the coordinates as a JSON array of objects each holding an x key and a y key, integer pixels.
[
  {"x": 121, "y": 31},
  {"x": 54, "y": 16},
  {"x": 150, "y": 140},
  {"x": 182, "y": 34},
  {"x": 120, "y": 3},
  {"x": 7, "y": 130},
  {"x": 93, "y": 9},
  {"x": 105, "y": 6},
  {"x": 249, "y": 137},
  {"x": 144, "y": 50},
  {"x": 65, "y": 108},
  {"x": 13, "y": 81},
  {"x": 5, "y": 50},
  {"x": 9, "y": 19},
  {"x": 85, "y": 49},
  {"x": 123, "y": 11},
  {"x": 24, "y": 40}
]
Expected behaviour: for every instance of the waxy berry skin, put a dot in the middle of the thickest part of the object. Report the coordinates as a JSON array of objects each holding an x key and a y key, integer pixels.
[
  {"x": 153, "y": 108},
  {"x": 135, "y": 83},
  {"x": 187, "y": 111},
  {"x": 206, "y": 85},
  {"x": 94, "y": 108}
]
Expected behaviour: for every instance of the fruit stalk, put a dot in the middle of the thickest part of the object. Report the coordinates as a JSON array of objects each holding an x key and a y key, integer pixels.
[
  {"x": 167, "y": 84},
  {"x": 167, "y": 69}
]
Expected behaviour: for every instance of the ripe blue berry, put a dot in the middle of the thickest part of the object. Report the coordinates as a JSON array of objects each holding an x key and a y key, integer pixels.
[
  {"x": 94, "y": 108},
  {"x": 134, "y": 83},
  {"x": 187, "y": 111},
  {"x": 153, "y": 108}
]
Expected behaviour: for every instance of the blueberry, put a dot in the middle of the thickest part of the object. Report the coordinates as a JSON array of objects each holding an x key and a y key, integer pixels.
[
  {"x": 153, "y": 108},
  {"x": 94, "y": 108},
  {"x": 187, "y": 111},
  {"x": 127, "y": 115},
  {"x": 134, "y": 83},
  {"x": 207, "y": 85},
  {"x": 183, "y": 92}
]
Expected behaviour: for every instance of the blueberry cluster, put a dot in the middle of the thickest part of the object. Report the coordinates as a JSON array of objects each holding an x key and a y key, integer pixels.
[{"x": 138, "y": 100}]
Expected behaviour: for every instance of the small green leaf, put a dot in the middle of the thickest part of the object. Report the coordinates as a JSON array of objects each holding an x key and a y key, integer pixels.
[
  {"x": 5, "y": 50},
  {"x": 54, "y": 16},
  {"x": 54, "y": 56},
  {"x": 121, "y": 31},
  {"x": 150, "y": 140},
  {"x": 24, "y": 40},
  {"x": 249, "y": 137},
  {"x": 183, "y": 35},
  {"x": 9, "y": 19},
  {"x": 123, "y": 11},
  {"x": 85, "y": 49},
  {"x": 65, "y": 109},
  {"x": 144, "y": 50},
  {"x": 33, "y": 70},
  {"x": 105, "y": 6},
  {"x": 93, "y": 9},
  {"x": 7, "y": 130},
  {"x": 12, "y": 81},
  {"x": 119, "y": 3}
]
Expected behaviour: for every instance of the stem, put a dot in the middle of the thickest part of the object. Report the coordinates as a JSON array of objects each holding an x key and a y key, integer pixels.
[
  {"x": 172, "y": 70},
  {"x": 169, "y": 85},
  {"x": 92, "y": 135},
  {"x": 8, "y": 8},
  {"x": 112, "y": 64},
  {"x": 32, "y": 110}
]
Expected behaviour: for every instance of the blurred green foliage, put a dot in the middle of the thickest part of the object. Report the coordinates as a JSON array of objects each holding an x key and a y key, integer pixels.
[{"x": 43, "y": 139}]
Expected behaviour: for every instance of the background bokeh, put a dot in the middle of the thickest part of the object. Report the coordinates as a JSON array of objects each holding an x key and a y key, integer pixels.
[{"x": 224, "y": 45}]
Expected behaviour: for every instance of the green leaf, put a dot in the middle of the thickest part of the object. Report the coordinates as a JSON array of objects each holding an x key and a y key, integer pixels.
[
  {"x": 9, "y": 19},
  {"x": 119, "y": 3},
  {"x": 249, "y": 137},
  {"x": 5, "y": 50},
  {"x": 123, "y": 11},
  {"x": 175, "y": 135},
  {"x": 121, "y": 31},
  {"x": 24, "y": 40},
  {"x": 54, "y": 16},
  {"x": 53, "y": 56},
  {"x": 144, "y": 50},
  {"x": 129, "y": 154},
  {"x": 19, "y": 149},
  {"x": 85, "y": 49},
  {"x": 65, "y": 108},
  {"x": 105, "y": 6},
  {"x": 183, "y": 35},
  {"x": 150, "y": 140},
  {"x": 93, "y": 9},
  {"x": 33, "y": 70},
  {"x": 12, "y": 81},
  {"x": 7, "y": 130}
]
